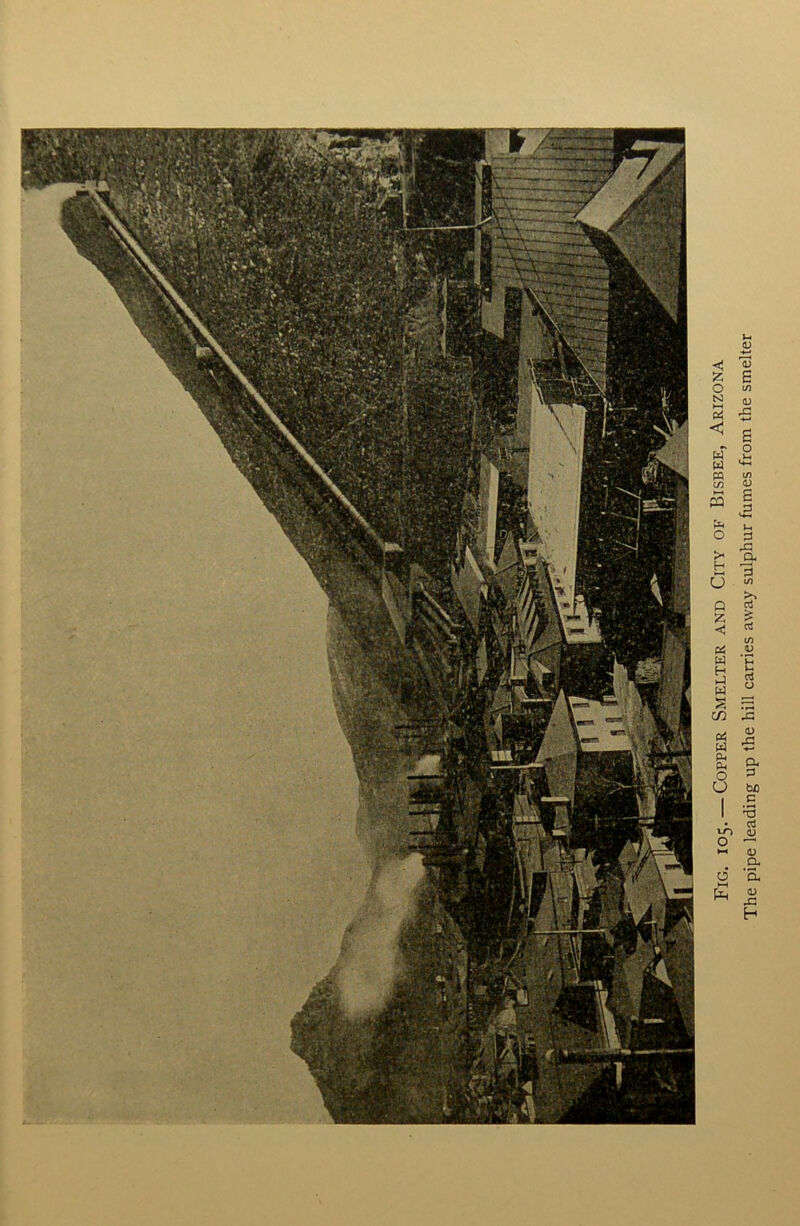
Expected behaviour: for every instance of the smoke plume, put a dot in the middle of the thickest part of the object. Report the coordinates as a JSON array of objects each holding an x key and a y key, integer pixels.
[
  {"x": 428, "y": 764},
  {"x": 370, "y": 960}
]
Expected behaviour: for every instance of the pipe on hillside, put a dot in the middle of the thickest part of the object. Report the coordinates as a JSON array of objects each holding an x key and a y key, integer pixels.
[{"x": 212, "y": 344}]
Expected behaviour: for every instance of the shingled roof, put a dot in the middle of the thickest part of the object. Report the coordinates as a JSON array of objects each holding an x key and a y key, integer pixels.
[{"x": 537, "y": 245}]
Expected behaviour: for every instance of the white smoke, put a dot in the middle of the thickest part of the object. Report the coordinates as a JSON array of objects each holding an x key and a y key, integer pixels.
[
  {"x": 428, "y": 764},
  {"x": 370, "y": 960}
]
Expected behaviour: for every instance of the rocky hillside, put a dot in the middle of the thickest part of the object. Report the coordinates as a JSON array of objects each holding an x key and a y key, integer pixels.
[{"x": 404, "y": 1064}]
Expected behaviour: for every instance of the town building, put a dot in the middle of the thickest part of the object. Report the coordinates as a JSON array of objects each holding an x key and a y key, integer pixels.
[
  {"x": 534, "y": 242},
  {"x": 673, "y": 691},
  {"x": 652, "y": 985},
  {"x": 585, "y": 769},
  {"x": 566, "y": 206},
  {"x": 557, "y": 637},
  {"x": 658, "y": 890},
  {"x": 568, "y": 1002},
  {"x": 639, "y": 213}
]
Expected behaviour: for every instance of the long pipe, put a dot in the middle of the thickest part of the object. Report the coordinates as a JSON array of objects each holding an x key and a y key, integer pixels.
[
  {"x": 285, "y": 433},
  {"x": 614, "y": 1055}
]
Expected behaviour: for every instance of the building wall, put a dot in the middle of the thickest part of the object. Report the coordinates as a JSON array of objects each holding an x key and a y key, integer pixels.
[{"x": 599, "y": 725}]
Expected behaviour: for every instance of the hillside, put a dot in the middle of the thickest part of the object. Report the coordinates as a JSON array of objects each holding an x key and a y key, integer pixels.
[
  {"x": 404, "y": 1063},
  {"x": 282, "y": 243}
]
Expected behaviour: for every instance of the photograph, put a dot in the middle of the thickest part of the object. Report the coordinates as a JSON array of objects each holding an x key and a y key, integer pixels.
[{"x": 356, "y": 669}]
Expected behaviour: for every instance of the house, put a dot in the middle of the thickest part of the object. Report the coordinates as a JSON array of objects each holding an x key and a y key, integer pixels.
[
  {"x": 568, "y": 208},
  {"x": 507, "y": 573},
  {"x": 658, "y": 890},
  {"x": 470, "y": 586},
  {"x": 652, "y": 984},
  {"x": 530, "y": 840},
  {"x": 541, "y": 258},
  {"x": 513, "y": 721},
  {"x": 535, "y": 244},
  {"x": 639, "y": 212},
  {"x": 555, "y": 480},
  {"x": 559, "y": 638},
  {"x": 673, "y": 685},
  {"x": 567, "y": 1009},
  {"x": 643, "y": 1000},
  {"x": 586, "y": 768},
  {"x": 678, "y": 956}
]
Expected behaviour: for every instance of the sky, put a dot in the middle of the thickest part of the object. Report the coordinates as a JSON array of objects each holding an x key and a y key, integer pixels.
[{"x": 189, "y": 850}]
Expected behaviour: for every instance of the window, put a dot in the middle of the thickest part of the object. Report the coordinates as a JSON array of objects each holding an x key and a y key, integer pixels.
[
  {"x": 585, "y": 723},
  {"x": 590, "y": 740},
  {"x": 617, "y": 731}
]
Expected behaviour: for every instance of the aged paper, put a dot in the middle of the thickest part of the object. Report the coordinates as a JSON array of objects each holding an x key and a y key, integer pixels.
[{"x": 726, "y": 78}]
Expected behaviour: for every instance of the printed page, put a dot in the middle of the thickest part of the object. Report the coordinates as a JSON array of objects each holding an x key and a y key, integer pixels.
[{"x": 397, "y": 540}]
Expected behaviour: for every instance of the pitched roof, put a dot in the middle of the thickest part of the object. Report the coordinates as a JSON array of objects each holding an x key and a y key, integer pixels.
[
  {"x": 469, "y": 586},
  {"x": 506, "y": 576},
  {"x": 537, "y": 616},
  {"x": 673, "y": 676},
  {"x": 675, "y": 452},
  {"x": 558, "y": 751},
  {"x": 555, "y": 475},
  {"x": 537, "y": 244},
  {"x": 640, "y": 209},
  {"x": 678, "y": 954},
  {"x": 651, "y": 884},
  {"x": 628, "y": 980}
]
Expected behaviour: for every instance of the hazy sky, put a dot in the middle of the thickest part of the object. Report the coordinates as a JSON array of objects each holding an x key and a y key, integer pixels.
[{"x": 189, "y": 798}]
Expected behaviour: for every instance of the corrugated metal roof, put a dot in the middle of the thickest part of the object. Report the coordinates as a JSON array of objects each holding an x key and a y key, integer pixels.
[{"x": 538, "y": 245}]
